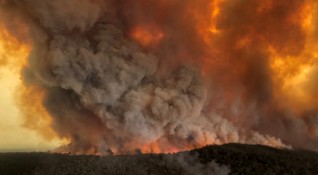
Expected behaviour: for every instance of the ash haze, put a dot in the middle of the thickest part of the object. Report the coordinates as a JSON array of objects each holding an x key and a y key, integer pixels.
[{"x": 164, "y": 76}]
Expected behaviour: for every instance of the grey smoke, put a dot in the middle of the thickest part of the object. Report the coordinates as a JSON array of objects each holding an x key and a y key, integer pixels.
[{"x": 104, "y": 90}]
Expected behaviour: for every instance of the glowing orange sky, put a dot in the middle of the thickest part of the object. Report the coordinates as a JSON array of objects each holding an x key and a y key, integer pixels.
[
  {"x": 13, "y": 135},
  {"x": 293, "y": 75}
]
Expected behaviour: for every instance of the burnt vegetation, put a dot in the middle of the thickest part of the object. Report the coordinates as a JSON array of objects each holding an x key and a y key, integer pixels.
[{"x": 236, "y": 158}]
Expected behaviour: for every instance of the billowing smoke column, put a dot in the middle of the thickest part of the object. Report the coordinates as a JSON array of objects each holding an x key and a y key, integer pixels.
[{"x": 169, "y": 75}]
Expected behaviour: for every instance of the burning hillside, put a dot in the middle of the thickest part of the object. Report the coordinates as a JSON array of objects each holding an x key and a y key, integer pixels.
[{"x": 116, "y": 76}]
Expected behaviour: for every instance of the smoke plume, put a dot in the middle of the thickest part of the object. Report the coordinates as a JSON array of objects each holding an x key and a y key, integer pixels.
[{"x": 168, "y": 75}]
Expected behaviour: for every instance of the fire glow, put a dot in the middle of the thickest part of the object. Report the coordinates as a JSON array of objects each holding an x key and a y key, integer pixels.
[
  {"x": 146, "y": 37},
  {"x": 166, "y": 76}
]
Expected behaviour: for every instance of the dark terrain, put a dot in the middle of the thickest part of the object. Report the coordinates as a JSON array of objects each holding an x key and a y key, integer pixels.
[{"x": 229, "y": 158}]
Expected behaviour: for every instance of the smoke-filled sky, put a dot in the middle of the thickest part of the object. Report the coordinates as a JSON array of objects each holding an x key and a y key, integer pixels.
[
  {"x": 15, "y": 137},
  {"x": 158, "y": 75}
]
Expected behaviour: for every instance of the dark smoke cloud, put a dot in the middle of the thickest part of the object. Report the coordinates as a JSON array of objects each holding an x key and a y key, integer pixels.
[{"x": 104, "y": 91}]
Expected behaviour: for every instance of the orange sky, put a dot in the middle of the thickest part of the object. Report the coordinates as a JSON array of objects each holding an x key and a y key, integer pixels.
[
  {"x": 269, "y": 49},
  {"x": 13, "y": 136}
]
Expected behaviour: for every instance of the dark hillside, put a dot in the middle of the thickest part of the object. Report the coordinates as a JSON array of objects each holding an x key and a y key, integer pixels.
[
  {"x": 258, "y": 159},
  {"x": 225, "y": 159}
]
